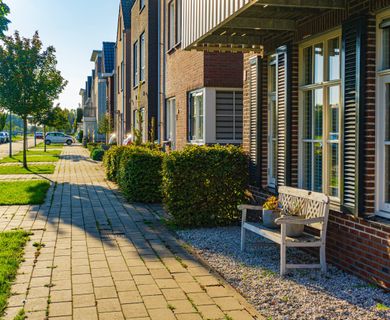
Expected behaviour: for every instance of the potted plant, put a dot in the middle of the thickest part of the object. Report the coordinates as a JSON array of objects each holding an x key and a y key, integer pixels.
[
  {"x": 295, "y": 230},
  {"x": 271, "y": 212}
]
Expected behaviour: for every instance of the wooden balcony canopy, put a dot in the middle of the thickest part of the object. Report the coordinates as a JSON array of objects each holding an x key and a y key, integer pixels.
[{"x": 243, "y": 25}]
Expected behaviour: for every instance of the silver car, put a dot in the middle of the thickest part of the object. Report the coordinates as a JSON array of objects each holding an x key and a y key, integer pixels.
[{"x": 58, "y": 138}]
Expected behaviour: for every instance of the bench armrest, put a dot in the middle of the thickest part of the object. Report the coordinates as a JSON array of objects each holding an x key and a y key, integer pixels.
[
  {"x": 249, "y": 207},
  {"x": 291, "y": 220}
]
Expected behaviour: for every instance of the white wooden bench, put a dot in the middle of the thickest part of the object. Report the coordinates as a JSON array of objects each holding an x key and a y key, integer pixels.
[{"x": 314, "y": 209}]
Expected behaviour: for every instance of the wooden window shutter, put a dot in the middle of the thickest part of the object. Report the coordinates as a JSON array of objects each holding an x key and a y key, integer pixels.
[
  {"x": 284, "y": 115},
  {"x": 353, "y": 75},
  {"x": 255, "y": 120}
]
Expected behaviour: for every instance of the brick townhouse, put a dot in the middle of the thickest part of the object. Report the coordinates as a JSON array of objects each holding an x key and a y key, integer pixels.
[
  {"x": 316, "y": 109},
  {"x": 144, "y": 68},
  {"x": 108, "y": 60},
  {"x": 201, "y": 92},
  {"x": 122, "y": 118}
]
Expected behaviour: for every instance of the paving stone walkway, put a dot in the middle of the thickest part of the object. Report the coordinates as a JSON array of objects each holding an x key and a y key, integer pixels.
[{"x": 102, "y": 258}]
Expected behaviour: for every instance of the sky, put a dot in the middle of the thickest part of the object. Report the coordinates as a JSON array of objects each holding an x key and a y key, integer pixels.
[{"x": 74, "y": 27}]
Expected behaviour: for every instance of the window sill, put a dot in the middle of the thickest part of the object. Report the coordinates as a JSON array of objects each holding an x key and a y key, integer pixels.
[
  {"x": 197, "y": 142},
  {"x": 171, "y": 50}
]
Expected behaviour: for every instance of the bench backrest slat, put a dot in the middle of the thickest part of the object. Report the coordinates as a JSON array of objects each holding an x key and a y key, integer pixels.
[{"x": 309, "y": 204}]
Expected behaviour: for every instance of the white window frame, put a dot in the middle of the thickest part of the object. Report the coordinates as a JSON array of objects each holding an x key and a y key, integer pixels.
[
  {"x": 272, "y": 97},
  {"x": 171, "y": 24},
  {"x": 201, "y": 92},
  {"x": 142, "y": 57},
  {"x": 325, "y": 85},
  {"x": 170, "y": 121},
  {"x": 383, "y": 77},
  {"x": 135, "y": 63}
]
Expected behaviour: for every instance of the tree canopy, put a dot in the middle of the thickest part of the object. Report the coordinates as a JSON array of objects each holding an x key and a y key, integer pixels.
[
  {"x": 4, "y": 11},
  {"x": 29, "y": 79}
]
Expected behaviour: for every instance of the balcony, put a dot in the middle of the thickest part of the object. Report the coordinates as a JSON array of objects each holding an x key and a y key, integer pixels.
[{"x": 244, "y": 25}]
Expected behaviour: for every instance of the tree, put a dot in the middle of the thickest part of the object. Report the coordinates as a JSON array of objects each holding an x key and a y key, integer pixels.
[
  {"x": 105, "y": 125},
  {"x": 45, "y": 120},
  {"x": 79, "y": 115},
  {"x": 3, "y": 120},
  {"x": 29, "y": 79},
  {"x": 4, "y": 11}
]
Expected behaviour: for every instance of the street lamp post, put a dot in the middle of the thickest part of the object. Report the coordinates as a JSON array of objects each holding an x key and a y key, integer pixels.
[{"x": 10, "y": 134}]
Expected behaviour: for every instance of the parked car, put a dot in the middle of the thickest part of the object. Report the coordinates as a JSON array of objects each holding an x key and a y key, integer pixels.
[
  {"x": 59, "y": 137},
  {"x": 4, "y": 137},
  {"x": 39, "y": 135}
]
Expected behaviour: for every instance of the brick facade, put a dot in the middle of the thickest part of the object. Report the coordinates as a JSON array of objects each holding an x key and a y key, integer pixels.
[{"x": 356, "y": 244}]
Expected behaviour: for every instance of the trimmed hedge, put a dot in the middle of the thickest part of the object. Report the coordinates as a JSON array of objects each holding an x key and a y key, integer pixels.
[
  {"x": 203, "y": 185},
  {"x": 97, "y": 154},
  {"x": 111, "y": 161},
  {"x": 140, "y": 174}
]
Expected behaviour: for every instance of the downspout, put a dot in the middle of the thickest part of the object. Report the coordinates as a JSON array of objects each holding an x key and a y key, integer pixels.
[{"x": 160, "y": 77}]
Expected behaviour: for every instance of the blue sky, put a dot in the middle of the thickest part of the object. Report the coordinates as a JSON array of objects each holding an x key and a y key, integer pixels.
[{"x": 74, "y": 28}]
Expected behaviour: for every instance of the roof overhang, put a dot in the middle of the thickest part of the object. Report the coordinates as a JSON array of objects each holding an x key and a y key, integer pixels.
[
  {"x": 244, "y": 25},
  {"x": 95, "y": 55}
]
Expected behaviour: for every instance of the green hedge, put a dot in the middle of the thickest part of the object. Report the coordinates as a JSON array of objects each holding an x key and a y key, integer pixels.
[
  {"x": 203, "y": 185},
  {"x": 97, "y": 154},
  {"x": 111, "y": 161},
  {"x": 140, "y": 174},
  {"x": 91, "y": 146}
]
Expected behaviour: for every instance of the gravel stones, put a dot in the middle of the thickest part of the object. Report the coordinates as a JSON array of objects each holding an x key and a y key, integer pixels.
[{"x": 303, "y": 294}]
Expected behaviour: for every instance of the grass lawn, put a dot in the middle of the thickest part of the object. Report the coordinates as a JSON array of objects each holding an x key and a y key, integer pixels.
[
  {"x": 32, "y": 169},
  {"x": 52, "y": 146},
  {"x": 23, "y": 192},
  {"x": 34, "y": 156},
  {"x": 11, "y": 255}
]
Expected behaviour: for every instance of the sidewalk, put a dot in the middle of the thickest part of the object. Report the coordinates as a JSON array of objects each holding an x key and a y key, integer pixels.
[{"x": 106, "y": 259}]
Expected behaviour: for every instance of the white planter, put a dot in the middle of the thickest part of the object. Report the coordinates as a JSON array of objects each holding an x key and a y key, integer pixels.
[
  {"x": 295, "y": 230},
  {"x": 269, "y": 217}
]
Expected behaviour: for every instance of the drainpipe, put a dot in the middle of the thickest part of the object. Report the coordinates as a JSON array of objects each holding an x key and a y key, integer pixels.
[{"x": 160, "y": 77}]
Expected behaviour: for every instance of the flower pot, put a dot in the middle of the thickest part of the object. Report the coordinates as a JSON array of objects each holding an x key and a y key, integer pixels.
[
  {"x": 295, "y": 230},
  {"x": 269, "y": 217}
]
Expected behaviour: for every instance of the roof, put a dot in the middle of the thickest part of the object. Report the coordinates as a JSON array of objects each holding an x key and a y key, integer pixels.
[
  {"x": 108, "y": 57},
  {"x": 126, "y": 6}
]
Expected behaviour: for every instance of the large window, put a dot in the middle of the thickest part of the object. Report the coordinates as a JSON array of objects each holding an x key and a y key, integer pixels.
[
  {"x": 170, "y": 121},
  {"x": 142, "y": 57},
  {"x": 135, "y": 64},
  {"x": 229, "y": 116},
  {"x": 178, "y": 21},
  {"x": 122, "y": 76},
  {"x": 383, "y": 116},
  {"x": 196, "y": 116},
  {"x": 272, "y": 122},
  {"x": 320, "y": 115}
]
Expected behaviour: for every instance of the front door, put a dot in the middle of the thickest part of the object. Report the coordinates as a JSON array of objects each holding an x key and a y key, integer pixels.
[{"x": 384, "y": 145}]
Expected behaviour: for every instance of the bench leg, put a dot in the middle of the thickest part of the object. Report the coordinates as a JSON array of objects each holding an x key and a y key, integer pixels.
[
  {"x": 323, "y": 259},
  {"x": 283, "y": 268},
  {"x": 243, "y": 231}
]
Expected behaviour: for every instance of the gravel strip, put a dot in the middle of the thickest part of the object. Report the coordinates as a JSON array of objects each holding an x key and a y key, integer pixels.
[{"x": 304, "y": 294}]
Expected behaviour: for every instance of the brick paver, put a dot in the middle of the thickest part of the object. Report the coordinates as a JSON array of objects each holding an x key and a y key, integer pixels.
[{"x": 102, "y": 258}]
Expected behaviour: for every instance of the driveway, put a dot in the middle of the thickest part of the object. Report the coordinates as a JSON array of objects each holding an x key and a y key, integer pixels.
[{"x": 103, "y": 258}]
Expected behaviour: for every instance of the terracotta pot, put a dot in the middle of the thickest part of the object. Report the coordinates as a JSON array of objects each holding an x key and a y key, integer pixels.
[
  {"x": 295, "y": 230},
  {"x": 269, "y": 217}
]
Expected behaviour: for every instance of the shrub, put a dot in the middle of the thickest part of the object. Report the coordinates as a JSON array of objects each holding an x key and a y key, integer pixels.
[
  {"x": 140, "y": 174},
  {"x": 91, "y": 146},
  {"x": 203, "y": 185},
  {"x": 111, "y": 162},
  {"x": 97, "y": 154}
]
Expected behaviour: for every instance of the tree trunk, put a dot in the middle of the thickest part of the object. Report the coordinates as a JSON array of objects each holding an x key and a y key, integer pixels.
[
  {"x": 44, "y": 138},
  {"x": 25, "y": 142}
]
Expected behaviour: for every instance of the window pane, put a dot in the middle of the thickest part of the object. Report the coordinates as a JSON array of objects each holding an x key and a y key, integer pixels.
[
  {"x": 272, "y": 70},
  {"x": 386, "y": 48},
  {"x": 308, "y": 115},
  {"x": 334, "y": 59},
  {"x": 178, "y": 21},
  {"x": 387, "y": 113},
  {"x": 308, "y": 65},
  {"x": 135, "y": 63},
  {"x": 142, "y": 56},
  {"x": 317, "y": 167},
  {"x": 318, "y": 63},
  {"x": 334, "y": 112},
  {"x": 200, "y": 120},
  {"x": 334, "y": 169},
  {"x": 318, "y": 113},
  {"x": 171, "y": 24},
  {"x": 308, "y": 165},
  {"x": 387, "y": 174}
]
